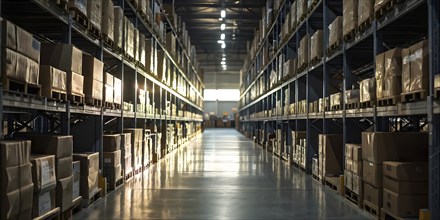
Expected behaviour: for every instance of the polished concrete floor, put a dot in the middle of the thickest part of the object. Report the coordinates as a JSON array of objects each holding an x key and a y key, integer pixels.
[{"x": 222, "y": 175}]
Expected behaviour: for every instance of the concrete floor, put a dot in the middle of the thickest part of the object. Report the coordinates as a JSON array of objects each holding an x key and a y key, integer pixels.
[{"x": 221, "y": 175}]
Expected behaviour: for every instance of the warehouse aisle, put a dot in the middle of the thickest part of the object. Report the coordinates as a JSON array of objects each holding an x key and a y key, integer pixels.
[{"x": 222, "y": 176}]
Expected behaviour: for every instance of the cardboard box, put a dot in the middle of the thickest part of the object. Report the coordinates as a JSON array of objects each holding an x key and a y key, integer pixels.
[
  {"x": 357, "y": 152},
  {"x": 406, "y": 187},
  {"x": 64, "y": 196},
  {"x": 93, "y": 88},
  {"x": 351, "y": 96},
  {"x": 43, "y": 202},
  {"x": 348, "y": 179},
  {"x": 52, "y": 79},
  {"x": 17, "y": 204},
  {"x": 76, "y": 179},
  {"x": 22, "y": 68},
  {"x": 9, "y": 37},
  {"x": 108, "y": 94},
  {"x": 112, "y": 159},
  {"x": 378, "y": 4},
  {"x": 331, "y": 153},
  {"x": 9, "y": 66},
  {"x": 301, "y": 9},
  {"x": 365, "y": 10},
  {"x": 357, "y": 185},
  {"x": 109, "y": 79},
  {"x": 141, "y": 49},
  {"x": 63, "y": 167},
  {"x": 393, "y": 73},
  {"x": 303, "y": 51},
  {"x": 118, "y": 25},
  {"x": 94, "y": 13},
  {"x": 89, "y": 173},
  {"x": 111, "y": 142},
  {"x": 350, "y": 18},
  {"x": 316, "y": 46},
  {"x": 129, "y": 37},
  {"x": 136, "y": 134},
  {"x": 404, "y": 171},
  {"x": 348, "y": 164},
  {"x": 59, "y": 145},
  {"x": 43, "y": 172},
  {"x": 117, "y": 99},
  {"x": 373, "y": 195},
  {"x": 171, "y": 43},
  {"x": 367, "y": 90},
  {"x": 380, "y": 75},
  {"x": 15, "y": 177},
  {"x": 372, "y": 174},
  {"x": 356, "y": 168},
  {"x": 92, "y": 68},
  {"x": 335, "y": 31},
  {"x": 14, "y": 153},
  {"x": 336, "y": 99},
  {"x": 108, "y": 19},
  {"x": 437, "y": 81},
  {"x": 415, "y": 67},
  {"x": 65, "y": 57},
  {"x": 80, "y": 5},
  {"x": 113, "y": 174},
  {"x": 75, "y": 83},
  {"x": 404, "y": 205},
  {"x": 27, "y": 45}
]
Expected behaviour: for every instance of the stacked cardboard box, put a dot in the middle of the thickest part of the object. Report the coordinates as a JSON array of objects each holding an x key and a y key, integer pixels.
[
  {"x": 335, "y": 31},
  {"x": 367, "y": 90},
  {"x": 336, "y": 100},
  {"x": 301, "y": 10},
  {"x": 289, "y": 68},
  {"x": 330, "y": 155},
  {"x": 300, "y": 153},
  {"x": 378, "y": 147},
  {"x": 126, "y": 153},
  {"x": 405, "y": 188},
  {"x": 89, "y": 174},
  {"x": 67, "y": 58},
  {"x": 136, "y": 146},
  {"x": 108, "y": 19},
  {"x": 171, "y": 43},
  {"x": 389, "y": 73},
  {"x": 16, "y": 187},
  {"x": 316, "y": 45},
  {"x": 118, "y": 27},
  {"x": 94, "y": 13},
  {"x": 76, "y": 166},
  {"x": 379, "y": 4},
  {"x": 112, "y": 158},
  {"x": 315, "y": 166},
  {"x": 366, "y": 11},
  {"x": 52, "y": 79},
  {"x": 415, "y": 67},
  {"x": 62, "y": 148},
  {"x": 350, "y": 18},
  {"x": 293, "y": 17},
  {"x": 92, "y": 69},
  {"x": 129, "y": 38},
  {"x": 161, "y": 64},
  {"x": 351, "y": 96},
  {"x": 353, "y": 168},
  {"x": 109, "y": 81},
  {"x": 303, "y": 52},
  {"x": 21, "y": 52},
  {"x": 43, "y": 176},
  {"x": 437, "y": 81},
  {"x": 80, "y": 6}
]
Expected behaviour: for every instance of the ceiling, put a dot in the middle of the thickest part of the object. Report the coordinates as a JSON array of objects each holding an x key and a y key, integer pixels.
[{"x": 202, "y": 22}]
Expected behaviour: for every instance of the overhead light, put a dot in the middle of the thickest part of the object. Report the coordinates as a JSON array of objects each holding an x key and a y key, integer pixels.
[
  {"x": 224, "y": 58},
  {"x": 223, "y": 26},
  {"x": 223, "y": 55},
  {"x": 220, "y": 19},
  {"x": 223, "y": 45},
  {"x": 223, "y": 13},
  {"x": 237, "y": 2},
  {"x": 222, "y": 36},
  {"x": 223, "y": 62},
  {"x": 221, "y": 41}
]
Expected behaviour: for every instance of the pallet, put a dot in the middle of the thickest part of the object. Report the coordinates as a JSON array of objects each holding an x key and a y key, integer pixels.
[
  {"x": 108, "y": 105},
  {"x": 364, "y": 25},
  {"x": 128, "y": 176},
  {"x": 94, "y": 30},
  {"x": 21, "y": 87},
  {"x": 94, "y": 102},
  {"x": 335, "y": 107},
  {"x": 312, "y": 6},
  {"x": 302, "y": 68},
  {"x": 355, "y": 105},
  {"x": 386, "y": 8},
  {"x": 137, "y": 171},
  {"x": 77, "y": 99},
  {"x": 350, "y": 36},
  {"x": 334, "y": 47},
  {"x": 79, "y": 17},
  {"x": 414, "y": 96},
  {"x": 300, "y": 20},
  {"x": 77, "y": 205},
  {"x": 373, "y": 210},
  {"x": 62, "y": 4},
  {"x": 368, "y": 104},
  {"x": 317, "y": 178},
  {"x": 331, "y": 181},
  {"x": 58, "y": 95},
  {"x": 115, "y": 185},
  {"x": 393, "y": 100},
  {"x": 52, "y": 214},
  {"x": 87, "y": 202},
  {"x": 117, "y": 106},
  {"x": 353, "y": 197},
  {"x": 387, "y": 215},
  {"x": 108, "y": 41},
  {"x": 314, "y": 61}
]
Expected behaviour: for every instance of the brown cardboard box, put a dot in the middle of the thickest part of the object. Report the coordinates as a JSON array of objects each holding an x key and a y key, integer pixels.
[
  {"x": 76, "y": 179},
  {"x": 136, "y": 134},
  {"x": 357, "y": 185},
  {"x": 64, "y": 195},
  {"x": 109, "y": 79},
  {"x": 43, "y": 172},
  {"x": 16, "y": 177},
  {"x": 94, "y": 13},
  {"x": 150, "y": 56},
  {"x": 117, "y": 91},
  {"x": 63, "y": 167},
  {"x": 350, "y": 18},
  {"x": 43, "y": 202},
  {"x": 128, "y": 167},
  {"x": 331, "y": 150},
  {"x": 129, "y": 36},
  {"x": 393, "y": 72},
  {"x": 367, "y": 90},
  {"x": 9, "y": 37},
  {"x": 9, "y": 66},
  {"x": 171, "y": 43},
  {"x": 52, "y": 79},
  {"x": 118, "y": 25},
  {"x": 65, "y": 57},
  {"x": 75, "y": 83},
  {"x": 404, "y": 187},
  {"x": 372, "y": 174},
  {"x": 112, "y": 159},
  {"x": 349, "y": 151},
  {"x": 93, "y": 88},
  {"x": 316, "y": 45},
  {"x": 14, "y": 153},
  {"x": 365, "y": 10},
  {"x": 92, "y": 68},
  {"x": 419, "y": 66},
  {"x": 380, "y": 75},
  {"x": 437, "y": 81},
  {"x": 406, "y": 70},
  {"x": 303, "y": 51},
  {"x": 357, "y": 167},
  {"x": 394, "y": 146},
  {"x": 108, "y": 19},
  {"x": 89, "y": 173},
  {"x": 113, "y": 174},
  {"x": 112, "y": 142},
  {"x": 27, "y": 45},
  {"x": 404, "y": 205},
  {"x": 141, "y": 49},
  {"x": 301, "y": 9},
  {"x": 348, "y": 164},
  {"x": 357, "y": 152},
  {"x": 108, "y": 94},
  {"x": 348, "y": 179},
  {"x": 351, "y": 96},
  {"x": 402, "y": 171},
  {"x": 58, "y": 145},
  {"x": 373, "y": 195},
  {"x": 14, "y": 206},
  {"x": 335, "y": 31},
  {"x": 80, "y": 5},
  {"x": 22, "y": 69}
]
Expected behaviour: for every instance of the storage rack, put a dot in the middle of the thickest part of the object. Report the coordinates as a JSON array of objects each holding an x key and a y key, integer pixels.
[
  {"x": 406, "y": 22},
  {"x": 51, "y": 23}
]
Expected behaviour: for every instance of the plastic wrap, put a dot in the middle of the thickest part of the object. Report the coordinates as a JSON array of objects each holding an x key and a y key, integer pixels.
[
  {"x": 380, "y": 75},
  {"x": 108, "y": 19},
  {"x": 293, "y": 18},
  {"x": 393, "y": 72},
  {"x": 420, "y": 66},
  {"x": 335, "y": 31},
  {"x": 22, "y": 73},
  {"x": 303, "y": 51},
  {"x": 129, "y": 37},
  {"x": 301, "y": 10},
  {"x": 406, "y": 70},
  {"x": 33, "y": 69},
  {"x": 272, "y": 78},
  {"x": 94, "y": 13},
  {"x": 27, "y": 45},
  {"x": 118, "y": 27},
  {"x": 365, "y": 10},
  {"x": 109, "y": 91},
  {"x": 117, "y": 91},
  {"x": 77, "y": 82},
  {"x": 10, "y": 63},
  {"x": 367, "y": 90},
  {"x": 9, "y": 34},
  {"x": 351, "y": 96},
  {"x": 141, "y": 54},
  {"x": 350, "y": 19},
  {"x": 437, "y": 81},
  {"x": 335, "y": 99},
  {"x": 316, "y": 45},
  {"x": 136, "y": 44},
  {"x": 79, "y": 5}
]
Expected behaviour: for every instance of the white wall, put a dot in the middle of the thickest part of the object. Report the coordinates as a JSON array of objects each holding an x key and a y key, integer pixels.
[{"x": 220, "y": 107}]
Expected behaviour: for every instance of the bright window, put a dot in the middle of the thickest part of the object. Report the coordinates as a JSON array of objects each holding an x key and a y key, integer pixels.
[{"x": 222, "y": 94}]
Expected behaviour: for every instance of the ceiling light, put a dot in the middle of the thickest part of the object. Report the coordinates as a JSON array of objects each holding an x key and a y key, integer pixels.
[
  {"x": 224, "y": 58},
  {"x": 223, "y": 13},
  {"x": 220, "y": 19},
  {"x": 223, "y": 55},
  {"x": 222, "y": 36},
  {"x": 223, "y": 62},
  {"x": 223, "y": 26},
  {"x": 221, "y": 41},
  {"x": 237, "y": 2},
  {"x": 223, "y": 45}
]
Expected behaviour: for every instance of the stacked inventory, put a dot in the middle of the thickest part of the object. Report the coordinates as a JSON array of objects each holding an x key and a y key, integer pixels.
[
  {"x": 353, "y": 171},
  {"x": 109, "y": 90},
  {"x": 126, "y": 155},
  {"x": 136, "y": 148},
  {"x": 89, "y": 175},
  {"x": 112, "y": 159},
  {"x": 76, "y": 166},
  {"x": 92, "y": 70},
  {"x": 43, "y": 176},
  {"x": 330, "y": 155},
  {"x": 17, "y": 190}
]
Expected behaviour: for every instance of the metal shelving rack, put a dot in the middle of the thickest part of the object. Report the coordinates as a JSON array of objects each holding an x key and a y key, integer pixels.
[
  {"x": 406, "y": 23},
  {"x": 50, "y": 23}
]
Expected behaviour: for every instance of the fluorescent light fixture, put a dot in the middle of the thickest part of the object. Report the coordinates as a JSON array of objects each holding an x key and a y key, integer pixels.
[
  {"x": 220, "y": 19},
  {"x": 223, "y": 26},
  {"x": 222, "y": 36},
  {"x": 223, "y": 62},
  {"x": 223, "y": 45},
  {"x": 221, "y": 41},
  {"x": 223, "y": 13},
  {"x": 224, "y": 58},
  {"x": 221, "y": 95},
  {"x": 223, "y": 55}
]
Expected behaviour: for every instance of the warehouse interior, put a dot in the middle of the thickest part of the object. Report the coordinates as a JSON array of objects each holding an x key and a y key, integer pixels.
[{"x": 220, "y": 109}]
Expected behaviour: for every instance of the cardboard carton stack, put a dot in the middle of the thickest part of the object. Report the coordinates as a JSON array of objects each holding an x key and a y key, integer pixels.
[
  {"x": 126, "y": 154},
  {"x": 330, "y": 155},
  {"x": 117, "y": 88},
  {"x": 21, "y": 52},
  {"x": 109, "y": 90},
  {"x": 112, "y": 158},
  {"x": 89, "y": 175},
  {"x": 118, "y": 27},
  {"x": 350, "y": 16},
  {"x": 303, "y": 52},
  {"x": 367, "y": 91},
  {"x": 366, "y": 12},
  {"x": 16, "y": 187},
  {"x": 293, "y": 17},
  {"x": 300, "y": 155},
  {"x": 136, "y": 147},
  {"x": 129, "y": 38},
  {"x": 316, "y": 46},
  {"x": 108, "y": 20},
  {"x": 43, "y": 176},
  {"x": 67, "y": 58},
  {"x": 62, "y": 148},
  {"x": 52, "y": 80},
  {"x": 389, "y": 74},
  {"x": 336, "y": 101},
  {"x": 76, "y": 166},
  {"x": 301, "y": 10},
  {"x": 351, "y": 96},
  {"x": 353, "y": 169},
  {"x": 335, "y": 32},
  {"x": 378, "y": 147},
  {"x": 94, "y": 13},
  {"x": 92, "y": 69},
  {"x": 415, "y": 68},
  {"x": 80, "y": 6}
]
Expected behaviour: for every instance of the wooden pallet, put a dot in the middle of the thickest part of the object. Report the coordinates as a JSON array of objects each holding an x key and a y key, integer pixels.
[
  {"x": 393, "y": 100},
  {"x": 317, "y": 178},
  {"x": 302, "y": 68},
  {"x": 336, "y": 107},
  {"x": 312, "y": 6},
  {"x": 87, "y": 202},
  {"x": 78, "y": 16},
  {"x": 58, "y": 95},
  {"x": 108, "y": 105},
  {"x": 115, "y": 185},
  {"x": 387, "y": 215},
  {"x": 77, "y": 99},
  {"x": 94, "y": 102},
  {"x": 137, "y": 171},
  {"x": 414, "y": 96},
  {"x": 67, "y": 214},
  {"x": 373, "y": 210},
  {"x": 331, "y": 181},
  {"x": 62, "y": 4},
  {"x": 52, "y": 214},
  {"x": 108, "y": 41},
  {"x": 94, "y": 30},
  {"x": 368, "y": 104},
  {"x": 364, "y": 25},
  {"x": 386, "y": 8},
  {"x": 128, "y": 176},
  {"x": 117, "y": 106},
  {"x": 300, "y": 20},
  {"x": 355, "y": 105},
  {"x": 77, "y": 205},
  {"x": 21, "y": 87},
  {"x": 350, "y": 36},
  {"x": 334, "y": 47},
  {"x": 353, "y": 197}
]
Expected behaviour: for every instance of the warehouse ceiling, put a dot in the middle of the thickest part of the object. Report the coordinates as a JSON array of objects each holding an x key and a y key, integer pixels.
[{"x": 204, "y": 27}]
